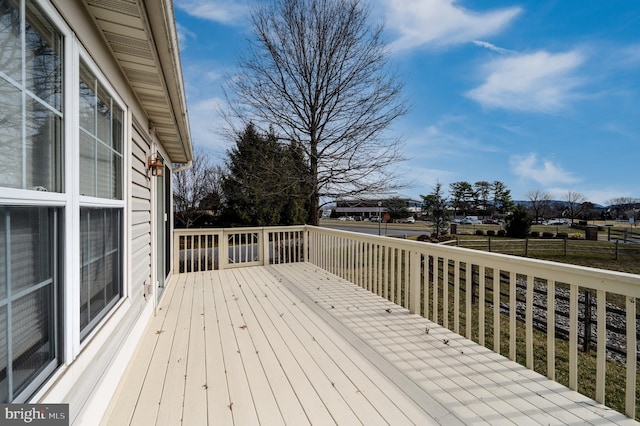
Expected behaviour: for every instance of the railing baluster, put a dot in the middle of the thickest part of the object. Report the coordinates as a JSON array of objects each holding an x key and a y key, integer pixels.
[
  {"x": 601, "y": 332},
  {"x": 512, "y": 315},
  {"x": 445, "y": 292},
  {"x": 481, "y": 303},
  {"x": 424, "y": 261},
  {"x": 529, "y": 321},
  {"x": 436, "y": 285},
  {"x": 497, "y": 284},
  {"x": 573, "y": 336},
  {"x": 468, "y": 325},
  {"x": 632, "y": 356},
  {"x": 551, "y": 329},
  {"x": 456, "y": 297}
]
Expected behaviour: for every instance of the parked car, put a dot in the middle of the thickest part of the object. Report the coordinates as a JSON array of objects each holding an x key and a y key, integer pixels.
[
  {"x": 374, "y": 218},
  {"x": 410, "y": 220},
  {"x": 491, "y": 222},
  {"x": 471, "y": 220}
]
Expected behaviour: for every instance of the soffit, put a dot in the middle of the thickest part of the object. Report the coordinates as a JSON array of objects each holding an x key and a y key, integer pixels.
[{"x": 142, "y": 37}]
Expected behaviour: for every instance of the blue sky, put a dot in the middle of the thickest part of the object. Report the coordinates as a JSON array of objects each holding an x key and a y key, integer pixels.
[{"x": 537, "y": 94}]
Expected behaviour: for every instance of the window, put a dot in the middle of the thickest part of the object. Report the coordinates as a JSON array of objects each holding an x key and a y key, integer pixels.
[
  {"x": 101, "y": 143},
  {"x": 101, "y": 264},
  {"x": 40, "y": 261},
  {"x": 31, "y": 148},
  {"x": 100, "y": 140},
  {"x": 29, "y": 280},
  {"x": 30, "y": 100}
]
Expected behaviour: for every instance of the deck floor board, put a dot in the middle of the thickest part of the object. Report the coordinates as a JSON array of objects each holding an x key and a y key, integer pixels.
[{"x": 294, "y": 344}]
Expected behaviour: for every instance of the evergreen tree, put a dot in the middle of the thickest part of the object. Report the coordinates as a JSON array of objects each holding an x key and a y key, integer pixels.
[
  {"x": 518, "y": 223},
  {"x": 262, "y": 186},
  {"x": 435, "y": 205}
]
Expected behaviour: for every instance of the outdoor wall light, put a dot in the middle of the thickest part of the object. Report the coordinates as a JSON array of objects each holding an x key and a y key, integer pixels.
[{"x": 155, "y": 164}]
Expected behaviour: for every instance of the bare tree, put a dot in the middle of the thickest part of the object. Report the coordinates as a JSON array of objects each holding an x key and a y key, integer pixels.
[
  {"x": 574, "y": 201},
  {"x": 540, "y": 203},
  {"x": 197, "y": 190},
  {"x": 317, "y": 72}
]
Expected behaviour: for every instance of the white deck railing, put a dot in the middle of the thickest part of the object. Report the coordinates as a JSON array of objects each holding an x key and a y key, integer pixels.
[{"x": 422, "y": 276}]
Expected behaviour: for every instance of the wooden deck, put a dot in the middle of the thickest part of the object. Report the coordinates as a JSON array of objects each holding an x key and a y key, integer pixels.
[{"x": 294, "y": 344}]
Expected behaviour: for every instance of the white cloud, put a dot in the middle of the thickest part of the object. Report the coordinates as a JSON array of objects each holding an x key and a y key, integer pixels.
[
  {"x": 207, "y": 123},
  {"x": 541, "y": 82},
  {"x": 490, "y": 46},
  {"x": 441, "y": 23},
  {"x": 184, "y": 35},
  {"x": 545, "y": 172},
  {"x": 223, "y": 11}
]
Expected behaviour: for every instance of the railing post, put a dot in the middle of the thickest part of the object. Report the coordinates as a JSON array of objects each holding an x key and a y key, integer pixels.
[
  {"x": 223, "y": 252},
  {"x": 265, "y": 247},
  {"x": 176, "y": 252}
]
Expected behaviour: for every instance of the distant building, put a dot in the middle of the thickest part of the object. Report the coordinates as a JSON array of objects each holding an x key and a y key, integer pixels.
[{"x": 370, "y": 206}]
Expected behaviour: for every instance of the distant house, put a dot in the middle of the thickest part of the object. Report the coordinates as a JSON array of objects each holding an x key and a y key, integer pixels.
[
  {"x": 374, "y": 205},
  {"x": 92, "y": 117}
]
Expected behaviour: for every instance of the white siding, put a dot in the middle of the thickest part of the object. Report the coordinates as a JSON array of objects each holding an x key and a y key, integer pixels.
[{"x": 140, "y": 258}]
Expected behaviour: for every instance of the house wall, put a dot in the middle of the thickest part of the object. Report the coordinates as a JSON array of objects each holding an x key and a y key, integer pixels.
[{"x": 91, "y": 368}]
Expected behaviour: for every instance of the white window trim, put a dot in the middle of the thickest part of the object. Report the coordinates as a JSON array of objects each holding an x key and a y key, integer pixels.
[
  {"x": 79, "y": 201},
  {"x": 70, "y": 200}
]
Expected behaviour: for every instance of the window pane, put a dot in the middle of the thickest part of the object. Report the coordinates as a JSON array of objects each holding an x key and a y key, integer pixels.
[
  {"x": 104, "y": 172},
  {"x": 103, "y": 117},
  {"x": 11, "y": 52},
  {"x": 43, "y": 68},
  {"x": 101, "y": 139},
  {"x": 116, "y": 132},
  {"x": 10, "y": 136},
  {"x": 43, "y": 148},
  {"x": 30, "y": 97},
  {"x": 33, "y": 336},
  {"x": 28, "y": 321},
  {"x": 101, "y": 264},
  {"x": 87, "y": 165},
  {"x": 87, "y": 100},
  {"x": 31, "y": 243}
]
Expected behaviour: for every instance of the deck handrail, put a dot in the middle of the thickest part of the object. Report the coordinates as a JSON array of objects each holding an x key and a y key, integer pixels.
[{"x": 420, "y": 276}]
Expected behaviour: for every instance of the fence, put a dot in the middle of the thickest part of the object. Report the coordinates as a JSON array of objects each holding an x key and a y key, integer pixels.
[
  {"x": 624, "y": 235},
  {"x": 532, "y": 247}
]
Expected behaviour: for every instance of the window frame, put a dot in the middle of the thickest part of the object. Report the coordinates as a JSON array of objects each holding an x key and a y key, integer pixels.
[
  {"x": 69, "y": 201},
  {"x": 82, "y": 337}
]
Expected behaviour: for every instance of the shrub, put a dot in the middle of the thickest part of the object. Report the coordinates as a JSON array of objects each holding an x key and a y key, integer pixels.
[
  {"x": 491, "y": 232},
  {"x": 547, "y": 234},
  {"x": 501, "y": 232},
  {"x": 576, "y": 236},
  {"x": 534, "y": 234},
  {"x": 518, "y": 223},
  {"x": 562, "y": 235},
  {"x": 479, "y": 232}
]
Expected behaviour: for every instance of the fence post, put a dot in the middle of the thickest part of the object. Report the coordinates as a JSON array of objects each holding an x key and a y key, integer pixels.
[
  {"x": 565, "y": 246},
  {"x": 489, "y": 240},
  {"x": 625, "y": 236},
  {"x": 609, "y": 234},
  {"x": 526, "y": 247},
  {"x": 617, "y": 241}
]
